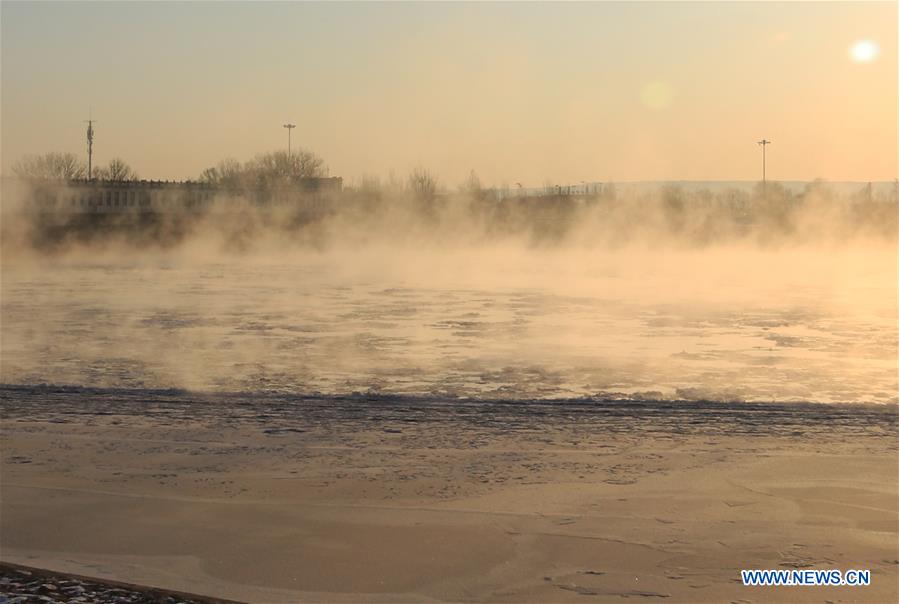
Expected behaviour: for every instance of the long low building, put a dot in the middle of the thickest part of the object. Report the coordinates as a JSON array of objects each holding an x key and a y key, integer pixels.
[{"x": 154, "y": 196}]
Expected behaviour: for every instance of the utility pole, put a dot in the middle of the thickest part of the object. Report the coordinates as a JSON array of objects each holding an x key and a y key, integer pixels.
[
  {"x": 90, "y": 145},
  {"x": 764, "y": 143},
  {"x": 289, "y": 128}
]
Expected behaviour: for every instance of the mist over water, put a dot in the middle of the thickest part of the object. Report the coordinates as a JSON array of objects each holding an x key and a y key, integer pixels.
[{"x": 665, "y": 296}]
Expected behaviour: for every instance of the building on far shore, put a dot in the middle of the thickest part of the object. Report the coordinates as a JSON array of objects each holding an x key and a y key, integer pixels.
[
  {"x": 109, "y": 197},
  {"x": 158, "y": 196}
]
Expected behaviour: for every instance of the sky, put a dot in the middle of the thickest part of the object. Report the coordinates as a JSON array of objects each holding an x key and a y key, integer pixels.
[{"x": 535, "y": 93}]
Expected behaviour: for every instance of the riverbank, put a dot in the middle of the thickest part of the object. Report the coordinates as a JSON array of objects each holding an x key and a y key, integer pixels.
[{"x": 275, "y": 499}]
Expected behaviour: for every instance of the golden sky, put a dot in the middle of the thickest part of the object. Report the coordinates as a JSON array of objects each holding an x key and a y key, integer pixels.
[{"x": 530, "y": 93}]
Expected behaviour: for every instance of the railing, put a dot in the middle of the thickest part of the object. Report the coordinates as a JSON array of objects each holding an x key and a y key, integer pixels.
[{"x": 582, "y": 189}]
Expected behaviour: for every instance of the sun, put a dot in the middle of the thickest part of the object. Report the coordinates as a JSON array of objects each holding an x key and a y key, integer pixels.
[{"x": 864, "y": 51}]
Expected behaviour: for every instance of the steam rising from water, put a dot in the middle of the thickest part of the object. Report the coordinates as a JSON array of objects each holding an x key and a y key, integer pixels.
[{"x": 670, "y": 295}]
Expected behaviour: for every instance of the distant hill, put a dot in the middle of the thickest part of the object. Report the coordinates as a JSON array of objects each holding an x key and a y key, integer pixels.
[{"x": 841, "y": 187}]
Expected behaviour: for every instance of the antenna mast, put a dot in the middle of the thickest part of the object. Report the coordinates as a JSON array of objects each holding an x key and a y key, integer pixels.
[{"x": 90, "y": 145}]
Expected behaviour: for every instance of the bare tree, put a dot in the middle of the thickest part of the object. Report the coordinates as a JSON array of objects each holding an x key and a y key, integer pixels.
[
  {"x": 266, "y": 170},
  {"x": 210, "y": 176},
  {"x": 116, "y": 171},
  {"x": 423, "y": 184},
  {"x": 279, "y": 166},
  {"x": 50, "y": 166},
  {"x": 472, "y": 186},
  {"x": 227, "y": 174},
  {"x": 371, "y": 187}
]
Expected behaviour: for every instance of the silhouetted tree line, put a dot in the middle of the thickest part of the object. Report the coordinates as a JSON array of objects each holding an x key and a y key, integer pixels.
[
  {"x": 67, "y": 166},
  {"x": 769, "y": 213},
  {"x": 266, "y": 171}
]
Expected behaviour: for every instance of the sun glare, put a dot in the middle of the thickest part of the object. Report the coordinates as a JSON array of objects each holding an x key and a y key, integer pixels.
[{"x": 864, "y": 51}]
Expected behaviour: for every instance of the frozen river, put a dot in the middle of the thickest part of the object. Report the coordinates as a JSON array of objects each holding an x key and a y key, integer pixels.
[{"x": 716, "y": 324}]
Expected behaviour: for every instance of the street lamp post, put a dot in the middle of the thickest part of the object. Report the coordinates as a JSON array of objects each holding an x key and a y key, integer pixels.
[
  {"x": 289, "y": 128},
  {"x": 764, "y": 143}
]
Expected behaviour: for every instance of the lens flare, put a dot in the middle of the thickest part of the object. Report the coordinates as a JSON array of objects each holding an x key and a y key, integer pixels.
[
  {"x": 657, "y": 95},
  {"x": 864, "y": 51}
]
